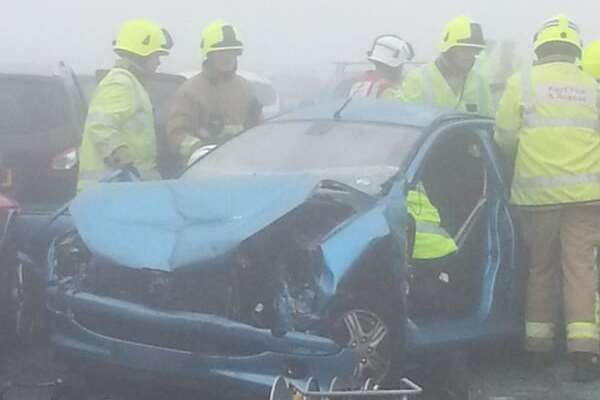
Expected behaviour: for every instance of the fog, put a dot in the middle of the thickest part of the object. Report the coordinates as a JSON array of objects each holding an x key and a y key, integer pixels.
[{"x": 281, "y": 37}]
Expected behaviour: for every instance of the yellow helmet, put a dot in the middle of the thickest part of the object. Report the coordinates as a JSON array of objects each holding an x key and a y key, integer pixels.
[
  {"x": 590, "y": 61},
  {"x": 219, "y": 36},
  {"x": 143, "y": 38},
  {"x": 558, "y": 29},
  {"x": 462, "y": 32}
]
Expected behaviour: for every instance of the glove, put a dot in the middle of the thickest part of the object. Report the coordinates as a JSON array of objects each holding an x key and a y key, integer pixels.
[{"x": 120, "y": 158}]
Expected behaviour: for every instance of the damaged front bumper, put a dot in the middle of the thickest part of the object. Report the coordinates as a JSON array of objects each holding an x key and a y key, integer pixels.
[{"x": 192, "y": 350}]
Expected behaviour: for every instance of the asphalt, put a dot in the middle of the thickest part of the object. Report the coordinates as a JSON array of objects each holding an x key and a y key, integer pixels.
[{"x": 496, "y": 377}]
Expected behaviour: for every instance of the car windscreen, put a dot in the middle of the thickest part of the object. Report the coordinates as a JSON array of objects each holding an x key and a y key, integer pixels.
[
  {"x": 362, "y": 155},
  {"x": 31, "y": 106}
]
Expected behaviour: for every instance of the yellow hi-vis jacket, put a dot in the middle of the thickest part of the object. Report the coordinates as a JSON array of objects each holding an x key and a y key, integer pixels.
[
  {"x": 120, "y": 114},
  {"x": 427, "y": 85},
  {"x": 431, "y": 240},
  {"x": 548, "y": 120}
]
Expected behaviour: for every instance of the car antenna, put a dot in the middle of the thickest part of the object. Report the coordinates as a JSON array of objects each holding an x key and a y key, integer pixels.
[{"x": 338, "y": 113}]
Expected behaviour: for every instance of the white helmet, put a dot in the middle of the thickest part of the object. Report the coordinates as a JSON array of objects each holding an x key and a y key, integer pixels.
[{"x": 390, "y": 50}]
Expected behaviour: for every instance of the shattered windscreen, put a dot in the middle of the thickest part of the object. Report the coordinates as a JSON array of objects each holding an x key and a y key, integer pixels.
[{"x": 360, "y": 155}]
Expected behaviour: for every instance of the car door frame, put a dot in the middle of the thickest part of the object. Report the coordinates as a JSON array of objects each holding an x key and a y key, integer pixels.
[{"x": 496, "y": 315}]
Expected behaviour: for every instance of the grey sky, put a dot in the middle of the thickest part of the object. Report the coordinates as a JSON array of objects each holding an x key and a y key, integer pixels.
[{"x": 282, "y": 36}]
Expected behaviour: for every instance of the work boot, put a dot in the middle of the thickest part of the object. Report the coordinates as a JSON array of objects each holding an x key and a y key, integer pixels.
[{"x": 586, "y": 367}]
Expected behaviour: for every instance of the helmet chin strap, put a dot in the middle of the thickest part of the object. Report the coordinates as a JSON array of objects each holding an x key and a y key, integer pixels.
[{"x": 449, "y": 64}]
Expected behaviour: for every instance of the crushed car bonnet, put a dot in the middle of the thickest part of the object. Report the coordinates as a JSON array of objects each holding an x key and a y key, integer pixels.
[{"x": 173, "y": 224}]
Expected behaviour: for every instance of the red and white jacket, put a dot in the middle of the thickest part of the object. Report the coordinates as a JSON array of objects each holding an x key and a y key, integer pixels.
[{"x": 370, "y": 84}]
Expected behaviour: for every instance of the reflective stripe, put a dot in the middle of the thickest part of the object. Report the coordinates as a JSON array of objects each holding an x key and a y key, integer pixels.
[
  {"x": 582, "y": 330},
  {"x": 533, "y": 121},
  {"x": 541, "y": 182},
  {"x": 527, "y": 91},
  {"x": 481, "y": 93},
  {"x": 539, "y": 330},
  {"x": 431, "y": 228}
]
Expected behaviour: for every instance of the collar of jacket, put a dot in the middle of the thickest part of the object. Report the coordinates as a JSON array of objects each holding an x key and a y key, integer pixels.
[
  {"x": 555, "y": 58},
  {"x": 448, "y": 70},
  {"x": 132, "y": 67},
  {"x": 215, "y": 76}
]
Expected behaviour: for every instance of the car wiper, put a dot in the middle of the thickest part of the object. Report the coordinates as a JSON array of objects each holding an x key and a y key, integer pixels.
[{"x": 338, "y": 114}]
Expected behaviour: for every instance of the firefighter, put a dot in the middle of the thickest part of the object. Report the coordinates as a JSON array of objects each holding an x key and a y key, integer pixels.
[
  {"x": 432, "y": 241},
  {"x": 216, "y": 104},
  {"x": 451, "y": 82},
  {"x": 547, "y": 121},
  {"x": 119, "y": 130},
  {"x": 388, "y": 54},
  {"x": 431, "y": 262}
]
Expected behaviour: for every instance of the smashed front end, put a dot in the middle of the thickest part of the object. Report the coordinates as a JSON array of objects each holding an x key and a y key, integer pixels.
[{"x": 256, "y": 308}]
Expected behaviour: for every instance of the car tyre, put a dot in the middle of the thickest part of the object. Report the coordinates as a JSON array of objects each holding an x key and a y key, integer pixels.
[
  {"x": 22, "y": 312},
  {"x": 371, "y": 338}
]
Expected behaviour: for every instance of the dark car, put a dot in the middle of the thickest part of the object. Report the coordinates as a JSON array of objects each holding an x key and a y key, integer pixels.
[
  {"x": 286, "y": 251},
  {"x": 41, "y": 117},
  {"x": 10, "y": 272}
]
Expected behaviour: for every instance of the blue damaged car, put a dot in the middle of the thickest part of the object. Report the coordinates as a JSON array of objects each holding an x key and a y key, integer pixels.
[{"x": 286, "y": 251}]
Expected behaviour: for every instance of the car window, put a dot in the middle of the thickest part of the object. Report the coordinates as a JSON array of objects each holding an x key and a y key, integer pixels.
[
  {"x": 29, "y": 106},
  {"x": 361, "y": 155},
  {"x": 455, "y": 177}
]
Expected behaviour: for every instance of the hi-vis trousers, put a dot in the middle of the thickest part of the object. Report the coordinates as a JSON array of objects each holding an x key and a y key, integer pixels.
[{"x": 566, "y": 237}]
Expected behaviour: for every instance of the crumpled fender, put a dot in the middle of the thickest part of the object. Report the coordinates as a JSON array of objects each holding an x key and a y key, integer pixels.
[
  {"x": 344, "y": 248},
  {"x": 172, "y": 224}
]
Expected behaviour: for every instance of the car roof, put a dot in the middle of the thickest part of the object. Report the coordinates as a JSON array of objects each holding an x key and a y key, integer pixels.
[{"x": 363, "y": 109}]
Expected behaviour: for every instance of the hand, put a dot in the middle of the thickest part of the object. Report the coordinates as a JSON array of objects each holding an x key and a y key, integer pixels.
[{"x": 120, "y": 158}]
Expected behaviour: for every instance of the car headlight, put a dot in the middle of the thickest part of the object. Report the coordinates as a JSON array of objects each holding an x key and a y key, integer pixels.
[{"x": 69, "y": 256}]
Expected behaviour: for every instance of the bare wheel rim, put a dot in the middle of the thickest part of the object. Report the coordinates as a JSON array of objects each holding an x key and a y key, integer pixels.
[{"x": 369, "y": 338}]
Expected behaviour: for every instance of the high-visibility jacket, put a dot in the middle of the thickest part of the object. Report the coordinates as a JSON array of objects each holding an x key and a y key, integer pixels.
[
  {"x": 427, "y": 85},
  {"x": 431, "y": 240},
  {"x": 548, "y": 118},
  {"x": 120, "y": 114}
]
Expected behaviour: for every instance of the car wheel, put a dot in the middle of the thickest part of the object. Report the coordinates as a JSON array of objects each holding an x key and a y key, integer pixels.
[{"x": 370, "y": 338}]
